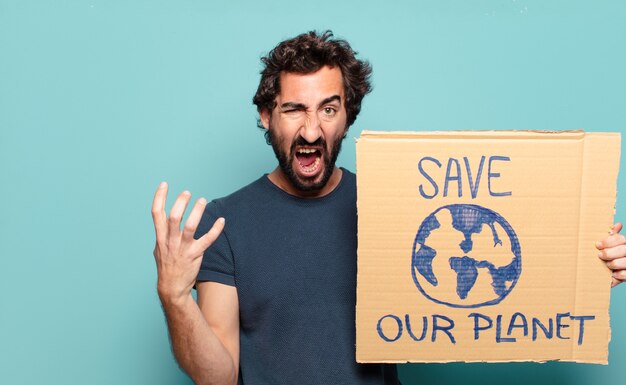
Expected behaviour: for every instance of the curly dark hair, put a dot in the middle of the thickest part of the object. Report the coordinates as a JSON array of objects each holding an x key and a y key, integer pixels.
[{"x": 308, "y": 53}]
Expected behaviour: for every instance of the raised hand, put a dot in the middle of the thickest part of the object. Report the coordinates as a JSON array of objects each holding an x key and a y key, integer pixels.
[
  {"x": 613, "y": 252},
  {"x": 178, "y": 255}
]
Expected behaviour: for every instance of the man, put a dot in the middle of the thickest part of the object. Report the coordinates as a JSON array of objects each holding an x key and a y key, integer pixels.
[{"x": 276, "y": 289}]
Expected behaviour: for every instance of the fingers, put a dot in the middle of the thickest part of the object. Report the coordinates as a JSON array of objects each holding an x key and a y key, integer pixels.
[
  {"x": 194, "y": 218},
  {"x": 168, "y": 230},
  {"x": 176, "y": 214},
  {"x": 158, "y": 213},
  {"x": 613, "y": 253},
  {"x": 615, "y": 261},
  {"x": 611, "y": 241},
  {"x": 207, "y": 239},
  {"x": 616, "y": 228},
  {"x": 619, "y": 275},
  {"x": 614, "y": 239}
]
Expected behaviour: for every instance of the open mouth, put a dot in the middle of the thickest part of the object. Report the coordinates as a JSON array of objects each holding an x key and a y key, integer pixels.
[{"x": 309, "y": 160}]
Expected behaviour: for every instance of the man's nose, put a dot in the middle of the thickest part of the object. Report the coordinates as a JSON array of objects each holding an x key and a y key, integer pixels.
[{"x": 311, "y": 130}]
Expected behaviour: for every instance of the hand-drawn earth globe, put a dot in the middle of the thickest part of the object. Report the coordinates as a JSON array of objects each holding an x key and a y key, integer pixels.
[{"x": 466, "y": 256}]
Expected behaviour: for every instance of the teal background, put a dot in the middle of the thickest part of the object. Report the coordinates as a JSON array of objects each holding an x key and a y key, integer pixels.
[{"x": 101, "y": 100}]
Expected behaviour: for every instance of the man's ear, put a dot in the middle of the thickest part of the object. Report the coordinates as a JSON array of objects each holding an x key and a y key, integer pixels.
[{"x": 264, "y": 114}]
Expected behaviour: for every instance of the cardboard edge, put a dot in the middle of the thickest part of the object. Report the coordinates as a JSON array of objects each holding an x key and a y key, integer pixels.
[
  {"x": 593, "y": 362},
  {"x": 616, "y": 180},
  {"x": 477, "y": 134}
]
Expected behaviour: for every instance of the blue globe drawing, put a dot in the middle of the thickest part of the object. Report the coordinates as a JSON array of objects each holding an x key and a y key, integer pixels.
[{"x": 466, "y": 256}]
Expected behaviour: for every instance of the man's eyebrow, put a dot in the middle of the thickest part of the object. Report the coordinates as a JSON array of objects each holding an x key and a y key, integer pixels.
[
  {"x": 330, "y": 99},
  {"x": 292, "y": 106},
  {"x": 300, "y": 106}
]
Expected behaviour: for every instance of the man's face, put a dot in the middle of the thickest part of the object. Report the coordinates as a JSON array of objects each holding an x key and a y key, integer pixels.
[{"x": 307, "y": 126}]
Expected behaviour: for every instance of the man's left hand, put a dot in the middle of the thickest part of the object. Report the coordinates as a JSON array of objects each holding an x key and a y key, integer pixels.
[{"x": 613, "y": 252}]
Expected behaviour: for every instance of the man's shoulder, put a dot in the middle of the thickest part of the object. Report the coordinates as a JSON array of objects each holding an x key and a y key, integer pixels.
[
  {"x": 348, "y": 182},
  {"x": 349, "y": 176}
]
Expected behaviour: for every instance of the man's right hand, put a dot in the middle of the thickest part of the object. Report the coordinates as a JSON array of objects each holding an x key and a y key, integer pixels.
[
  {"x": 178, "y": 255},
  {"x": 204, "y": 335}
]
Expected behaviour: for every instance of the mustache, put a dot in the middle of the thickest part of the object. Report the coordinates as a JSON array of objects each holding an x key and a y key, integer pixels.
[{"x": 300, "y": 141}]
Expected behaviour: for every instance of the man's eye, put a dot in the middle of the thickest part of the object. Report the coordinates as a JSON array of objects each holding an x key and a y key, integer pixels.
[
  {"x": 329, "y": 111},
  {"x": 294, "y": 113}
]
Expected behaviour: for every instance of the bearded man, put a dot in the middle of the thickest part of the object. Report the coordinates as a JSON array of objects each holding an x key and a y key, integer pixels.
[{"x": 277, "y": 286}]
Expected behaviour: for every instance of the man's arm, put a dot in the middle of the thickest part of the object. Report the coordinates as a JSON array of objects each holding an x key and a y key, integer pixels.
[
  {"x": 205, "y": 336},
  {"x": 204, "y": 341}
]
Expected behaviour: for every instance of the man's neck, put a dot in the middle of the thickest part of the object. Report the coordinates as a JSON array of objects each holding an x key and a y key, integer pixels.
[{"x": 281, "y": 180}]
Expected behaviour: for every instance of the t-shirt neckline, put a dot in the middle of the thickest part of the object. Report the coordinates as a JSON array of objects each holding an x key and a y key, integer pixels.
[{"x": 339, "y": 186}]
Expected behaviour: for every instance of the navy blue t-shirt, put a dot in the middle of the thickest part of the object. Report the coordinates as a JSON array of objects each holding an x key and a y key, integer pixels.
[{"x": 293, "y": 262}]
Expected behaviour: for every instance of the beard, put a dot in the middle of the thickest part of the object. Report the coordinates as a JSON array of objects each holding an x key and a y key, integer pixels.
[{"x": 329, "y": 156}]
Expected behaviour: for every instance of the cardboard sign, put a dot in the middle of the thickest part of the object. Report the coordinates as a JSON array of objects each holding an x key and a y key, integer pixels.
[{"x": 480, "y": 246}]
